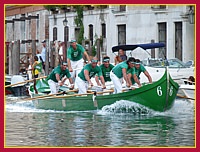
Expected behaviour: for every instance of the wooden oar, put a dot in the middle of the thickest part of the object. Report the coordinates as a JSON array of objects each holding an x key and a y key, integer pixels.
[
  {"x": 127, "y": 89},
  {"x": 66, "y": 96},
  {"x": 106, "y": 91},
  {"x": 184, "y": 97},
  {"x": 25, "y": 81},
  {"x": 49, "y": 95}
]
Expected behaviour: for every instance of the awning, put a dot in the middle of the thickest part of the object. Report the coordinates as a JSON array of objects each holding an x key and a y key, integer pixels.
[{"x": 133, "y": 47}]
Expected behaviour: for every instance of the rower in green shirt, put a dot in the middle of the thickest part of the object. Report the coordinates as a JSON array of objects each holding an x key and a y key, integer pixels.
[
  {"x": 75, "y": 58},
  {"x": 106, "y": 67},
  {"x": 83, "y": 80},
  {"x": 134, "y": 75},
  {"x": 119, "y": 72},
  {"x": 57, "y": 78}
]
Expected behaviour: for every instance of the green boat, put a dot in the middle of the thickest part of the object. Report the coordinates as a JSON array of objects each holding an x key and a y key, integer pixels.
[{"x": 158, "y": 96}]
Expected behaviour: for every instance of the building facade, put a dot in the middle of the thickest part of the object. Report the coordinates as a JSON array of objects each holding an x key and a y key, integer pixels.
[
  {"x": 26, "y": 23},
  {"x": 113, "y": 24}
]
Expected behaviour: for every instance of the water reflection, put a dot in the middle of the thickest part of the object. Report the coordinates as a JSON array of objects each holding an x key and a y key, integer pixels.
[{"x": 100, "y": 128}]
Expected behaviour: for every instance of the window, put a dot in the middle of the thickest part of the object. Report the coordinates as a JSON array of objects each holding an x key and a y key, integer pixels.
[
  {"x": 103, "y": 30},
  {"x": 54, "y": 19},
  {"x": 91, "y": 33},
  {"x": 23, "y": 28},
  {"x": 162, "y": 6},
  {"x": 121, "y": 34},
  {"x": 178, "y": 40},
  {"x": 29, "y": 29},
  {"x": 122, "y": 8},
  {"x": 54, "y": 33},
  {"x": 66, "y": 34},
  {"x": 37, "y": 28},
  {"x": 77, "y": 31},
  {"x": 156, "y": 7},
  {"x": 162, "y": 36}
]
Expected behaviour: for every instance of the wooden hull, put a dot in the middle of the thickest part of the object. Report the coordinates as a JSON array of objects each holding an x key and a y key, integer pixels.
[{"x": 158, "y": 96}]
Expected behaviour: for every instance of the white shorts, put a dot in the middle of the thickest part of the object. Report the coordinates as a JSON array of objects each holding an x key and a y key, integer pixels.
[
  {"x": 76, "y": 65},
  {"x": 53, "y": 86},
  {"x": 117, "y": 82},
  {"x": 82, "y": 85}
]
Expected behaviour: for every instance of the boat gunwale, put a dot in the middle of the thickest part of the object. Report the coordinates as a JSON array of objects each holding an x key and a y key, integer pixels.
[{"x": 121, "y": 95}]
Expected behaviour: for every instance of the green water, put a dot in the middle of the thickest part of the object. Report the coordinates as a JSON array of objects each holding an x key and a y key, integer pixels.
[{"x": 110, "y": 127}]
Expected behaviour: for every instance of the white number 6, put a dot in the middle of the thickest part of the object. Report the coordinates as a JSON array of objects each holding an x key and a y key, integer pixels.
[{"x": 159, "y": 90}]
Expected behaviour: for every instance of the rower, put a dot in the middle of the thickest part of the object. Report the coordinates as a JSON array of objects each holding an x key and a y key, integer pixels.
[
  {"x": 106, "y": 67},
  {"x": 134, "y": 74},
  {"x": 83, "y": 80},
  {"x": 57, "y": 78},
  {"x": 119, "y": 72},
  {"x": 75, "y": 60}
]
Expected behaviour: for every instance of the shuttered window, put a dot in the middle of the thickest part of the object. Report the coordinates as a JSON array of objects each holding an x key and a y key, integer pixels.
[
  {"x": 103, "y": 29},
  {"x": 121, "y": 34},
  {"x": 91, "y": 33},
  {"x": 55, "y": 33},
  {"x": 178, "y": 40},
  {"x": 66, "y": 34},
  {"x": 162, "y": 35}
]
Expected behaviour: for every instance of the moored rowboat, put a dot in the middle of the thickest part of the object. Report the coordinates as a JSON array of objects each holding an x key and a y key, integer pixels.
[{"x": 158, "y": 96}]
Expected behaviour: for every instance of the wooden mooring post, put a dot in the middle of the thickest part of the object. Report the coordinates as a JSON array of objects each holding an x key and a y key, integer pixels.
[
  {"x": 52, "y": 56},
  {"x": 47, "y": 59},
  {"x": 33, "y": 47},
  {"x": 10, "y": 63},
  {"x": 98, "y": 50},
  {"x": 14, "y": 60},
  {"x": 56, "y": 63}
]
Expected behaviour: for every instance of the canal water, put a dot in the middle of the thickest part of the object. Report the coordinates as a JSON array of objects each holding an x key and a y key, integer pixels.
[{"x": 117, "y": 125}]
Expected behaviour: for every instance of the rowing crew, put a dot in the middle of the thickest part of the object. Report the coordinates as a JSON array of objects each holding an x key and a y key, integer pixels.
[{"x": 128, "y": 70}]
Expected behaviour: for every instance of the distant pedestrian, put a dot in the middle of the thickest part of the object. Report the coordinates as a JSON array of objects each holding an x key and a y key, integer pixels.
[
  {"x": 60, "y": 52},
  {"x": 29, "y": 69},
  {"x": 36, "y": 67},
  {"x": 190, "y": 80},
  {"x": 120, "y": 57},
  {"x": 38, "y": 54},
  {"x": 36, "y": 70},
  {"x": 43, "y": 53}
]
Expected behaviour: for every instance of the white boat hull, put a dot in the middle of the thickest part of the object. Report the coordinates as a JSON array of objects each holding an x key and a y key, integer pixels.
[
  {"x": 176, "y": 73},
  {"x": 188, "y": 91}
]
